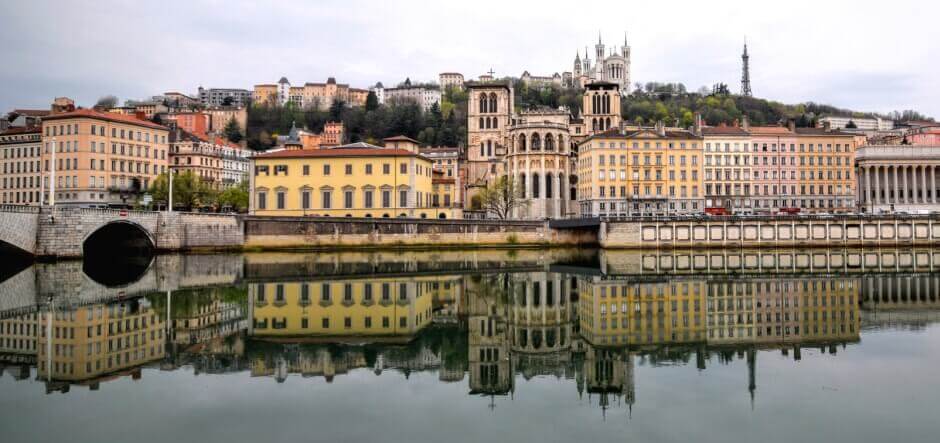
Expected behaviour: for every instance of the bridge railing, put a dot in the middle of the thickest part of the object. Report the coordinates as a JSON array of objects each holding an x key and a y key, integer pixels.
[
  {"x": 19, "y": 208},
  {"x": 775, "y": 217}
]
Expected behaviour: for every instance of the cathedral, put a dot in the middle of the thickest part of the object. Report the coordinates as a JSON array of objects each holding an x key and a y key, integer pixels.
[{"x": 610, "y": 67}]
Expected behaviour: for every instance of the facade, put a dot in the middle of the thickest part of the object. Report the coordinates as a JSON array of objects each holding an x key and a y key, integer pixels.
[
  {"x": 450, "y": 80},
  {"x": 219, "y": 96},
  {"x": 541, "y": 81},
  {"x": 861, "y": 123},
  {"x": 425, "y": 96},
  {"x": 610, "y": 68},
  {"x": 311, "y": 95},
  {"x": 538, "y": 161},
  {"x": 918, "y": 136},
  {"x": 727, "y": 169},
  {"x": 101, "y": 158},
  {"x": 379, "y": 91},
  {"x": 219, "y": 116},
  {"x": 90, "y": 342},
  {"x": 20, "y": 153},
  {"x": 489, "y": 114},
  {"x": 356, "y": 180},
  {"x": 600, "y": 107},
  {"x": 332, "y": 135},
  {"x": 215, "y": 161},
  {"x": 646, "y": 171},
  {"x": 897, "y": 178},
  {"x": 447, "y": 181},
  {"x": 197, "y": 122}
]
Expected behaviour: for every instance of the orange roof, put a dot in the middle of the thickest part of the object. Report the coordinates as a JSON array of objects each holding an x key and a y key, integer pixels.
[
  {"x": 338, "y": 152},
  {"x": 401, "y": 138},
  {"x": 770, "y": 130},
  {"x": 32, "y": 112},
  {"x": 106, "y": 116},
  {"x": 724, "y": 130},
  {"x": 22, "y": 130}
]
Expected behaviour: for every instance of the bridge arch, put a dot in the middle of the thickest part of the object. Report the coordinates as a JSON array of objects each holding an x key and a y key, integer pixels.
[{"x": 118, "y": 236}]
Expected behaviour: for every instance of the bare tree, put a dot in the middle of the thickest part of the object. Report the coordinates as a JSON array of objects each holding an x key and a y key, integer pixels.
[
  {"x": 106, "y": 102},
  {"x": 502, "y": 196}
]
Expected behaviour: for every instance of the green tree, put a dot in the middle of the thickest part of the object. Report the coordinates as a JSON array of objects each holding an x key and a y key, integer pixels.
[
  {"x": 372, "y": 101},
  {"x": 232, "y": 132},
  {"x": 189, "y": 191},
  {"x": 236, "y": 197}
]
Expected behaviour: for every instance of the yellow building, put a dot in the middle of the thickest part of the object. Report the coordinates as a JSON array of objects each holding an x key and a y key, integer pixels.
[
  {"x": 355, "y": 180},
  {"x": 622, "y": 312},
  {"x": 640, "y": 171},
  {"x": 393, "y": 309}
]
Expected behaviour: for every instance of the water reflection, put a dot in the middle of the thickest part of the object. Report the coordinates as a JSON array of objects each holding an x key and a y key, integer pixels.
[{"x": 485, "y": 320}]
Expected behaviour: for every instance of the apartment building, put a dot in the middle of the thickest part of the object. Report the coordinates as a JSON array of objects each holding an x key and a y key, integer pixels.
[{"x": 20, "y": 154}]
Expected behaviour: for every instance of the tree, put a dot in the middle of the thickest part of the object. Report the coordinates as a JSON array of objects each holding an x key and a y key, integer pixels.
[
  {"x": 851, "y": 125},
  {"x": 228, "y": 101},
  {"x": 236, "y": 197},
  {"x": 336, "y": 110},
  {"x": 189, "y": 191},
  {"x": 372, "y": 101},
  {"x": 107, "y": 102},
  {"x": 232, "y": 132},
  {"x": 501, "y": 197}
]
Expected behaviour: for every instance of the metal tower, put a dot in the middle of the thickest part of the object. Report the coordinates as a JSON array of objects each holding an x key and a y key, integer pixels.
[{"x": 745, "y": 73}]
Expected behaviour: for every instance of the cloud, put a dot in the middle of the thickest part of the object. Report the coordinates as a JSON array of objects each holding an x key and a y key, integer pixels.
[{"x": 843, "y": 53}]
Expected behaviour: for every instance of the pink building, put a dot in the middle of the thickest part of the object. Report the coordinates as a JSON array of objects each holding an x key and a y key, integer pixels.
[{"x": 774, "y": 169}]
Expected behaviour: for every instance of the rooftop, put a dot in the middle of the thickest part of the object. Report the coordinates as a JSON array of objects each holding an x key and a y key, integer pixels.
[
  {"x": 106, "y": 116},
  {"x": 724, "y": 130},
  {"x": 359, "y": 149}
]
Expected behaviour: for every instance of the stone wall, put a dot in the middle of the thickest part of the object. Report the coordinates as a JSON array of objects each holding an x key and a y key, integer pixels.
[
  {"x": 736, "y": 232},
  {"x": 189, "y": 231},
  {"x": 287, "y": 232},
  {"x": 18, "y": 225}
]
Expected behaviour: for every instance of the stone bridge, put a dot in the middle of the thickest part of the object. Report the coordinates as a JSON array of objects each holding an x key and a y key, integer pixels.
[{"x": 65, "y": 232}]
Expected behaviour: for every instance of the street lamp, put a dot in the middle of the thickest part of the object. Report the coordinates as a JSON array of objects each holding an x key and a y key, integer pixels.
[
  {"x": 52, "y": 177},
  {"x": 169, "y": 175}
]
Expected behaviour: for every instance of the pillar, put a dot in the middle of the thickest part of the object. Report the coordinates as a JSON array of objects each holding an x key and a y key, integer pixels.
[
  {"x": 895, "y": 195},
  {"x": 877, "y": 199},
  {"x": 906, "y": 196},
  {"x": 933, "y": 184},
  {"x": 866, "y": 172},
  {"x": 923, "y": 177}
]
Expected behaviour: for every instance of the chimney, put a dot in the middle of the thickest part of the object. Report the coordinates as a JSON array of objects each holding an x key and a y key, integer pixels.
[
  {"x": 697, "y": 129},
  {"x": 661, "y": 128},
  {"x": 745, "y": 123},
  {"x": 791, "y": 124}
]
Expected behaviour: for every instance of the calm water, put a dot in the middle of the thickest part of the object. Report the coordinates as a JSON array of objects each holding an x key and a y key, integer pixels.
[{"x": 475, "y": 346}]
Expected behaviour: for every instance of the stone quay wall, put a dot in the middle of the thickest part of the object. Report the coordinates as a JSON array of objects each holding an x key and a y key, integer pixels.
[
  {"x": 775, "y": 232},
  {"x": 300, "y": 232}
]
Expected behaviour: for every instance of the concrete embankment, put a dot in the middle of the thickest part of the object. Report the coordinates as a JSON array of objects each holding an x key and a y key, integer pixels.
[{"x": 773, "y": 232}]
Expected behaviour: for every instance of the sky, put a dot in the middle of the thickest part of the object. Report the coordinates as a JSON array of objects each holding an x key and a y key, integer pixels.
[{"x": 863, "y": 55}]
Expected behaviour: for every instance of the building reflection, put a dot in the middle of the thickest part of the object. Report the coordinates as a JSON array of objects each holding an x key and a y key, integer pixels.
[{"x": 495, "y": 330}]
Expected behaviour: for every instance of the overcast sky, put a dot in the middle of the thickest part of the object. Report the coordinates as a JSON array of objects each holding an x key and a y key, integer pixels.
[{"x": 864, "y": 55}]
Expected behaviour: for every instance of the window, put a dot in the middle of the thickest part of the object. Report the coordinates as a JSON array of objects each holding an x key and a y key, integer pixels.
[
  {"x": 326, "y": 169},
  {"x": 305, "y": 199},
  {"x": 403, "y": 198},
  {"x": 262, "y": 200},
  {"x": 369, "y": 169},
  {"x": 386, "y": 199},
  {"x": 281, "y": 195},
  {"x": 368, "y": 199},
  {"x": 348, "y": 169},
  {"x": 348, "y": 199},
  {"x": 403, "y": 168},
  {"x": 386, "y": 169},
  {"x": 306, "y": 169},
  {"x": 327, "y": 197}
]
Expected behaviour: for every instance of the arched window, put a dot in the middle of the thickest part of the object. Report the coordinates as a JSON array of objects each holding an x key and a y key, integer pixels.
[
  {"x": 548, "y": 186},
  {"x": 489, "y": 148},
  {"x": 594, "y": 125},
  {"x": 549, "y": 142},
  {"x": 522, "y": 146},
  {"x": 493, "y": 107},
  {"x": 482, "y": 103},
  {"x": 572, "y": 193},
  {"x": 535, "y": 185},
  {"x": 495, "y": 122},
  {"x": 487, "y": 123},
  {"x": 561, "y": 143},
  {"x": 607, "y": 123},
  {"x": 481, "y": 122},
  {"x": 594, "y": 104},
  {"x": 482, "y": 152},
  {"x": 536, "y": 142},
  {"x": 522, "y": 185}
]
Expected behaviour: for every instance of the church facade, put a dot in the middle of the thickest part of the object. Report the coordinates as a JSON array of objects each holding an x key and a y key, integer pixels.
[{"x": 609, "y": 67}]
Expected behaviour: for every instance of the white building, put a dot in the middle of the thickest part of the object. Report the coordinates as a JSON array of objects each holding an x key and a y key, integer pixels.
[
  {"x": 283, "y": 91},
  {"x": 425, "y": 96},
  {"x": 861, "y": 124},
  {"x": 450, "y": 80},
  {"x": 611, "y": 68},
  {"x": 379, "y": 91}
]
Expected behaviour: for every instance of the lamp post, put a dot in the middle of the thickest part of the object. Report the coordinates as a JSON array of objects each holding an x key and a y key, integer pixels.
[{"x": 169, "y": 175}]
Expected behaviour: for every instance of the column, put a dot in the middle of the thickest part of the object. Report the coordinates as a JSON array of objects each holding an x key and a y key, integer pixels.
[
  {"x": 933, "y": 184},
  {"x": 877, "y": 199},
  {"x": 906, "y": 197},
  {"x": 895, "y": 195},
  {"x": 923, "y": 177}
]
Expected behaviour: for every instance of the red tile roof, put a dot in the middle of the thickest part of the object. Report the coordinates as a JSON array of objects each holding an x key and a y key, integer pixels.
[
  {"x": 106, "y": 116},
  {"x": 724, "y": 130},
  {"x": 401, "y": 138},
  {"x": 22, "y": 130},
  {"x": 33, "y": 112},
  {"x": 339, "y": 152}
]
